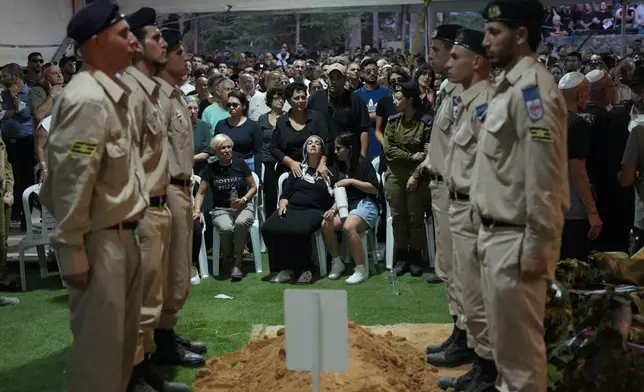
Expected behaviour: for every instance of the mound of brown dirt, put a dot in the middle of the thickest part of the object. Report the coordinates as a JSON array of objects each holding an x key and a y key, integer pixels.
[{"x": 376, "y": 364}]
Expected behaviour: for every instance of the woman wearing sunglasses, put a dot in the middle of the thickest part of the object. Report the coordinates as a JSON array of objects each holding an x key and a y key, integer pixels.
[{"x": 245, "y": 133}]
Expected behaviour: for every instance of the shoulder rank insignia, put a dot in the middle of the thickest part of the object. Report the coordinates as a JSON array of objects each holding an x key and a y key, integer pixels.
[
  {"x": 533, "y": 103},
  {"x": 393, "y": 117},
  {"x": 589, "y": 118},
  {"x": 480, "y": 111}
]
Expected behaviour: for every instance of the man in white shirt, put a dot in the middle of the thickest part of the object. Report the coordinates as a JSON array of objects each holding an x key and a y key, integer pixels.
[
  {"x": 639, "y": 18},
  {"x": 298, "y": 75}
]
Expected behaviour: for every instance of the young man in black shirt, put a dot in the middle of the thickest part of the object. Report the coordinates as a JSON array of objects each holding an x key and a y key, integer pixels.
[
  {"x": 343, "y": 109},
  {"x": 582, "y": 223}
]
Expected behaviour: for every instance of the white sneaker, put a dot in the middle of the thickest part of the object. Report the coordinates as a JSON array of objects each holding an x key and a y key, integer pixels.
[
  {"x": 359, "y": 275},
  {"x": 194, "y": 276},
  {"x": 336, "y": 270},
  {"x": 282, "y": 277}
]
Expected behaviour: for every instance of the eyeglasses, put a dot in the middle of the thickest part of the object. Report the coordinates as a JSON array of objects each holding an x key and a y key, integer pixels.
[
  {"x": 232, "y": 105},
  {"x": 371, "y": 71},
  {"x": 395, "y": 80}
]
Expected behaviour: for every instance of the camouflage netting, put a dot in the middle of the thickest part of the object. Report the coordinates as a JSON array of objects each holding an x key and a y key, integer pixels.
[{"x": 590, "y": 336}]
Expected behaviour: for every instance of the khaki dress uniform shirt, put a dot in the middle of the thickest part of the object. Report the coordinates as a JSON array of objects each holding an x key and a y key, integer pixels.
[
  {"x": 444, "y": 119},
  {"x": 152, "y": 136},
  {"x": 521, "y": 171},
  {"x": 179, "y": 131},
  {"x": 6, "y": 173},
  {"x": 96, "y": 179},
  {"x": 462, "y": 146}
]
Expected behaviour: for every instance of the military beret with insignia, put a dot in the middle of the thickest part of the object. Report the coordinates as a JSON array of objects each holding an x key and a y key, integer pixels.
[
  {"x": 472, "y": 40},
  {"x": 172, "y": 37},
  {"x": 409, "y": 89},
  {"x": 93, "y": 19},
  {"x": 146, "y": 16},
  {"x": 446, "y": 32},
  {"x": 519, "y": 12}
]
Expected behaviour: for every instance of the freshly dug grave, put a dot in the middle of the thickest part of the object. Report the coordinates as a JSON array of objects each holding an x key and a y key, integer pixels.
[{"x": 376, "y": 364}]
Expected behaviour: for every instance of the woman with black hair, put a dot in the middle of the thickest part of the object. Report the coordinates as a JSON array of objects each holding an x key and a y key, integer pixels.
[
  {"x": 244, "y": 132},
  {"x": 294, "y": 128},
  {"x": 358, "y": 176},
  {"x": 425, "y": 77},
  {"x": 267, "y": 122},
  {"x": 406, "y": 190}
]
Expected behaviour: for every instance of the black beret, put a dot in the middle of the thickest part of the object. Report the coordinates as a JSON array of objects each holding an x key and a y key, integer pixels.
[
  {"x": 408, "y": 89},
  {"x": 446, "y": 32},
  {"x": 93, "y": 19},
  {"x": 67, "y": 59},
  {"x": 171, "y": 36},
  {"x": 472, "y": 40},
  {"x": 519, "y": 12},
  {"x": 146, "y": 16}
]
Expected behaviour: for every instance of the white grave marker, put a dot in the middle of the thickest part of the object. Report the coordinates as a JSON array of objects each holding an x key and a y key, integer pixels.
[{"x": 317, "y": 332}]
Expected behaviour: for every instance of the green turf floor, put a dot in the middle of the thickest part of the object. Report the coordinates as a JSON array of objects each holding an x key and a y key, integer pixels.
[{"x": 35, "y": 336}]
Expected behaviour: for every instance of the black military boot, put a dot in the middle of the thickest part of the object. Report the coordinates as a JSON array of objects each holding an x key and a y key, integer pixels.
[
  {"x": 432, "y": 278},
  {"x": 196, "y": 347},
  {"x": 402, "y": 263},
  {"x": 436, "y": 348},
  {"x": 170, "y": 352},
  {"x": 463, "y": 382},
  {"x": 485, "y": 380},
  {"x": 143, "y": 380},
  {"x": 414, "y": 263},
  {"x": 455, "y": 355}
]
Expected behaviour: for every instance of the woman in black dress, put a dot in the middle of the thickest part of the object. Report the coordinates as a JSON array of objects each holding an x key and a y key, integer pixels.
[
  {"x": 303, "y": 202},
  {"x": 275, "y": 100}
]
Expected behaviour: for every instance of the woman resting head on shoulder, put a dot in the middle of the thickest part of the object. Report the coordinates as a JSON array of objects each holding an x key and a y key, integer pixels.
[{"x": 360, "y": 180}]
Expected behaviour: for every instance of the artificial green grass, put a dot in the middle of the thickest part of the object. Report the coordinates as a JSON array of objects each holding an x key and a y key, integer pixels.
[{"x": 35, "y": 336}]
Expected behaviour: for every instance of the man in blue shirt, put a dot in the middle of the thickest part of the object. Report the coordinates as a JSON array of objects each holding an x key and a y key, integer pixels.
[
  {"x": 371, "y": 93},
  {"x": 17, "y": 131}
]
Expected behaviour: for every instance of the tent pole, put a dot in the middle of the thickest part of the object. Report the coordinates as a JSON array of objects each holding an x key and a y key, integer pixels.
[
  {"x": 624, "y": 13},
  {"x": 297, "y": 29}
]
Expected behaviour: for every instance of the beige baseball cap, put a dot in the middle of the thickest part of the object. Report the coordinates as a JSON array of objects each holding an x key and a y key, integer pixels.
[{"x": 336, "y": 67}]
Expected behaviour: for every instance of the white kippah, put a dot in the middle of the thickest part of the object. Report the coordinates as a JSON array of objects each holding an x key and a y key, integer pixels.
[
  {"x": 571, "y": 80},
  {"x": 595, "y": 75}
]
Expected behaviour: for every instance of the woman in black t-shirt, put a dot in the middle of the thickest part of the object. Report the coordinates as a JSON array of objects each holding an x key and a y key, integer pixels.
[
  {"x": 233, "y": 188},
  {"x": 360, "y": 180}
]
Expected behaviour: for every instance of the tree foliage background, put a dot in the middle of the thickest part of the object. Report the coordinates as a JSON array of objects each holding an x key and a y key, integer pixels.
[{"x": 267, "y": 32}]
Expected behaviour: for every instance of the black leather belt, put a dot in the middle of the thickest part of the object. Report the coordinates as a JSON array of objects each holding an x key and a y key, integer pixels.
[
  {"x": 495, "y": 223},
  {"x": 133, "y": 225},
  {"x": 458, "y": 196},
  {"x": 178, "y": 182},
  {"x": 158, "y": 201},
  {"x": 435, "y": 177}
]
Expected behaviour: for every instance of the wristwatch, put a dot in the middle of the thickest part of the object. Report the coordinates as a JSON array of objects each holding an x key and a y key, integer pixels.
[{"x": 244, "y": 199}]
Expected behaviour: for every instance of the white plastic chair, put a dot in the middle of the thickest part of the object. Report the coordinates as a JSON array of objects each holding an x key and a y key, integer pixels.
[
  {"x": 34, "y": 238},
  {"x": 317, "y": 236},
  {"x": 389, "y": 241},
  {"x": 254, "y": 238},
  {"x": 203, "y": 253}
]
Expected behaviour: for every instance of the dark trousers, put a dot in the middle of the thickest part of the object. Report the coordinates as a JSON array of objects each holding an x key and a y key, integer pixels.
[
  {"x": 270, "y": 188},
  {"x": 196, "y": 241},
  {"x": 575, "y": 243},
  {"x": 5, "y": 220},
  {"x": 288, "y": 239},
  {"x": 638, "y": 240},
  {"x": 21, "y": 155}
]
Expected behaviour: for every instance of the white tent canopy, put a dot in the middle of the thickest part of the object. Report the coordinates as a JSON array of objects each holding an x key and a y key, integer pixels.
[{"x": 39, "y": 25}]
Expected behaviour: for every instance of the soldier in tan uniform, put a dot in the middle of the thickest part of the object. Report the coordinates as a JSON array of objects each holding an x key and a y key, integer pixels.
[
  {"x": 446, "y": 114},
  {"x": 151, "y": 138},
  {"x": 468, "y": 66},
  {"x": 520, "y": 190},
  {"x": 170, "y": 348},
  {"x": 96, "y": 191}
]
